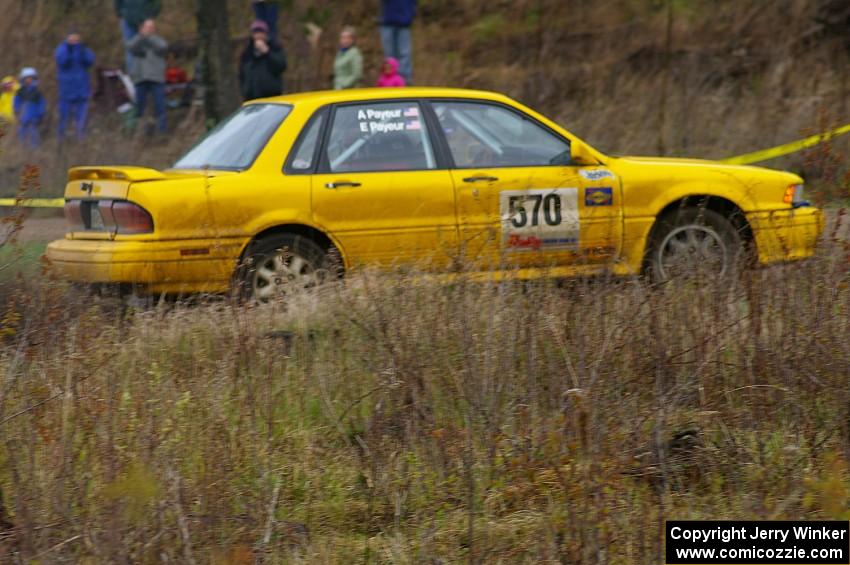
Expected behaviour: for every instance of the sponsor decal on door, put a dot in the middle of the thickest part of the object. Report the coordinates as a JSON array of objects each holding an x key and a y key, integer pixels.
[{"x": 599, "y": 196}]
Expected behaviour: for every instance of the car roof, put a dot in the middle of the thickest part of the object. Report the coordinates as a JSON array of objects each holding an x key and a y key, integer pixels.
[{"x": 323, "y": 97}]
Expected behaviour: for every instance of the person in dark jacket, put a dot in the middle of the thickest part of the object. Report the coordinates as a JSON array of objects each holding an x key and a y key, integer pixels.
[
  {"x": 262, "y": 64},
  {"x": 149, "y": 51},
  {"x": 396, "y": 19},
  {"x": 30, "y": 108},
  {"x": 133, "y": 14},
  {"x": 73, "y": 61}
]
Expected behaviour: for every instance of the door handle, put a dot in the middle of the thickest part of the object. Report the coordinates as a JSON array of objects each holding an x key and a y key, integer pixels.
[
  {"x": 341, "y": 184},
  {"x": 480, "y": 179}
]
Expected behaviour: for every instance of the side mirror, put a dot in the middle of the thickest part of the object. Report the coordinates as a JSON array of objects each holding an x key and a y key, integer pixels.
[{"x": 581, "y": 155}]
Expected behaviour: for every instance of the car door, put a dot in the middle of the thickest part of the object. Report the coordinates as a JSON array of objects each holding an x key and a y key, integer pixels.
[
  {"x": 381, "y": 190},
  {"x": 520, "y": 200}
]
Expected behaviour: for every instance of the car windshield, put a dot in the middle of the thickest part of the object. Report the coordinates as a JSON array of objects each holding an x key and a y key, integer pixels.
[{"x": 236, "y": 142}]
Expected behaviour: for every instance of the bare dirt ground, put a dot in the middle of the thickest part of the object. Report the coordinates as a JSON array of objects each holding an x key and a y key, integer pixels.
[{"x": 42, "y": 229}]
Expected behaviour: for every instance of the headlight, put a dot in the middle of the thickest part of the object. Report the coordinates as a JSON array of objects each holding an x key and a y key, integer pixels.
[{"x": 794, "y": 196}]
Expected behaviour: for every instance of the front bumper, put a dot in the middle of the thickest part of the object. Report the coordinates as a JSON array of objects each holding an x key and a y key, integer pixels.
[
  {"x": 786, "y": 235},
  {"x": 157, "y": 266}
]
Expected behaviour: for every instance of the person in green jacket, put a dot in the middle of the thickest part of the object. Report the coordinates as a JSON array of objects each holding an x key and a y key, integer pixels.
[{"x": 348, "y": 65}]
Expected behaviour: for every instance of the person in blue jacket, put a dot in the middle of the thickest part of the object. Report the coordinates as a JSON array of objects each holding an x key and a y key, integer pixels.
[
  {"x": 30, "y": 108},
  {"x": 396, "y": 19},
  {"x": 73, "y": 61}
]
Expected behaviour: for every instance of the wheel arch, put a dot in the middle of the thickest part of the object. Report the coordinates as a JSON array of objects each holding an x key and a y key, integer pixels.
[
  {"x": 314, "y": 234},
  {"x": 719, "y": 204}
]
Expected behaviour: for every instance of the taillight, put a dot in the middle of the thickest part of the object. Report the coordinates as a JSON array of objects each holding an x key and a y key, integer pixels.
[
  {"x": 107, "y": 215},
  {"x": 74, "y": 215},
  {"x": 105, "y": 209},
  {"x": 130, "y": 218}
]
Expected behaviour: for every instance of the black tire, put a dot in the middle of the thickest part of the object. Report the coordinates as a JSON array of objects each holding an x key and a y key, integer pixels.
[
  {"x": 276, "y": 265},
  {"x": 694, "y": 242}
]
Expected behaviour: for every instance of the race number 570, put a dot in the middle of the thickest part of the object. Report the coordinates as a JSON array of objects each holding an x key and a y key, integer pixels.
[
  {"x": 539, "y": 217},
  {"x": 541, "y": 207}
]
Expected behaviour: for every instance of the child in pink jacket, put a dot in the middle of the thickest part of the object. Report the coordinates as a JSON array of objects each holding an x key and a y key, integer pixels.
[{"x": 389, "y": 74}]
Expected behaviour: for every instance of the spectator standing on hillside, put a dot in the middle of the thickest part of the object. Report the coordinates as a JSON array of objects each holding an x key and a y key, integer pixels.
[
  {"x": 149, "y": 51},
  {"x": 8, "y": 89},
  {"x": 73, "y": 60},
  {"x": 262, "y": 64},
  {"x": 389, "y": 74},
  {"x": 266, "y": 10},
  {"x": 30, "y": 108},
  {"x": 348, "y": 65},
  {"x": 396, "y": 18},
  {"x": 133, "y": 14}
]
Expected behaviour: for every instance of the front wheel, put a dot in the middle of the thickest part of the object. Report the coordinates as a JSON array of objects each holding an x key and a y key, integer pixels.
[
  {"x": 694, "y": 242},
  {"x": 279, "y": 265}
]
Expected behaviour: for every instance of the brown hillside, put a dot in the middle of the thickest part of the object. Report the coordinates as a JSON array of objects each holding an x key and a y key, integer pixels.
[{"x": 729, "y": 77}]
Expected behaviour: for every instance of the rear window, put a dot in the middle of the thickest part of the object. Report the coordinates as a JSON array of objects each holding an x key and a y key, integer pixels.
[{"x": 235, "y": 143}]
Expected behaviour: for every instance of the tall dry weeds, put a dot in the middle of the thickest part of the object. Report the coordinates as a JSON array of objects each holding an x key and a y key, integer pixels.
[{"x": 391, "y": 419}]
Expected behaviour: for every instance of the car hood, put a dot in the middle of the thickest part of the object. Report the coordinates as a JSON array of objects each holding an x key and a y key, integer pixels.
[{"x": 673, "y": 163}]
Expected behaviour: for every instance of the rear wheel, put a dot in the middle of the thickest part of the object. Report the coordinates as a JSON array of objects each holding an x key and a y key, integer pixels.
[
  {"x": 694, "y": 242},
  {"x": 282, "y": 264}
]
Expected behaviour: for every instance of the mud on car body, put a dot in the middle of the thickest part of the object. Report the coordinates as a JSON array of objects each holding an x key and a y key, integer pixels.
[{"x": 416, "y": 176}]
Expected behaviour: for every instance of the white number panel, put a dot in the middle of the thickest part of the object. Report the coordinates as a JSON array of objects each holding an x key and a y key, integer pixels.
[{"x": 541, "y": 218}]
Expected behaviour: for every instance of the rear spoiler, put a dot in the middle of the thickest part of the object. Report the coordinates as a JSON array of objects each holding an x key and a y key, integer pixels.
[{"x": 131, "y": 174}]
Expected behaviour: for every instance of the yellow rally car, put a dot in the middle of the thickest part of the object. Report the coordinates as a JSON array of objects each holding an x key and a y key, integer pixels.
[{"x": 439, "y": 178}]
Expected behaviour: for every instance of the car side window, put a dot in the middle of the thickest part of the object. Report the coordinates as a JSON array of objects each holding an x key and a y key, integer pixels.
[
  {"x": 488, "y": 135},
  {"x": 302, "y": 160},
  {"x": 380, "y": 136}
]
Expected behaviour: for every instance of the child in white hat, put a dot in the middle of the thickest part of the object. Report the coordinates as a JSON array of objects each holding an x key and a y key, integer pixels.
[{"x": 30, "y": 108}]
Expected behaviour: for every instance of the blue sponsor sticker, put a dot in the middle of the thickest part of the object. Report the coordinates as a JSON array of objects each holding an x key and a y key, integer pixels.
[{"x": 598, "y": 196}]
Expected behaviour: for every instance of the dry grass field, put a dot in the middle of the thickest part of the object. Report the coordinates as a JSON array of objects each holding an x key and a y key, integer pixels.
[
  {"x": 386, "y": 419},
  {"x": 389, "y": 419}
]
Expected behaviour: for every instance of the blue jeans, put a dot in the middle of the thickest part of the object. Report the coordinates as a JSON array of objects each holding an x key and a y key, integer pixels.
[
  {"x": 28, "y": 133},
  {"x": 157, "y": 90},
  {"x": 76, "y": 111},
  {"x": 397, "y": 44},
  {"x": 128, "y": 33}
]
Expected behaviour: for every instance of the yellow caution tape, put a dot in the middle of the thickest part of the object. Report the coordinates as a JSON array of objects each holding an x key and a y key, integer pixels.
[
  {"x": 745, "y": 159},
  {"x": 787, "y": 148},
  {"x": 33, "y": 202}
]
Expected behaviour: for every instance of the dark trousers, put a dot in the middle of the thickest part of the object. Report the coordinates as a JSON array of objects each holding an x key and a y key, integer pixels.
[
  {"x": 75, "y": 111},
  {"x": 157, "y": 90},
  {"x": 28, "y": 133},
  {"x": 267, "y": 11}
]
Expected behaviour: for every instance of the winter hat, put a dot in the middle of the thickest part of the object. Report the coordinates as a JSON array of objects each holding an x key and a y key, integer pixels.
[
  {"x": 392, "y": 62},
  {"x": 28, "y": 72},
  {"x": 259, "y": 25}
]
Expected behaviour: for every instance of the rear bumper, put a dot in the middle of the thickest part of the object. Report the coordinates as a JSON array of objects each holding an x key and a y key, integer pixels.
[
  {"x": 786, "y": 235},
  {"x": 158, "y": 266}
]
